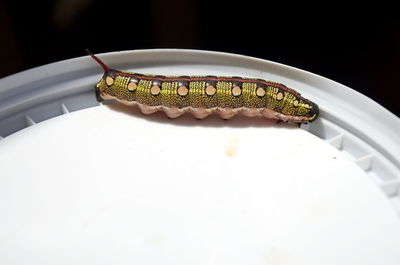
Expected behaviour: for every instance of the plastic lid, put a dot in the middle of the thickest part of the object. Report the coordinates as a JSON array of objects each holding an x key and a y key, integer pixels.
[{"x": 108, "y": 184}]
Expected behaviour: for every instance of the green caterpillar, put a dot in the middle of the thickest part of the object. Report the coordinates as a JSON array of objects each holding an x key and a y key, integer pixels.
[{"x": 203, "y": 95}]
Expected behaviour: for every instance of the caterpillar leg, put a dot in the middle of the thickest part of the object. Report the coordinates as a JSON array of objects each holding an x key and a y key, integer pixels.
[
  {"x": 287, "y": 121},
  {"x": 200, "y": 113},
  {"x": 173, "y": 112},
  {"x": 251, "y": 112},
  {"x": 269, "y": 114},
  {"x": 146, "y": 109},
  {"x": 226, "y": 113},
  {"x": 281, "y": 121}
]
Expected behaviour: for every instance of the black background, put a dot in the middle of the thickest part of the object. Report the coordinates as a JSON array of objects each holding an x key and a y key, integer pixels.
[{"x": 358, "y": 46}]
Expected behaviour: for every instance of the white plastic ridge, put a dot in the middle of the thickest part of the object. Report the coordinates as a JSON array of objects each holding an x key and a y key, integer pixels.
[
  {"x": 29, "y": 121},
  {"x": 64, "y": 109}
]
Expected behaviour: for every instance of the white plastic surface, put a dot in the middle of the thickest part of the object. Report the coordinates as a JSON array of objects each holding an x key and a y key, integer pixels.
[
  {"x": 106, "y": 185},
  {"x": 103, "y": 186}
]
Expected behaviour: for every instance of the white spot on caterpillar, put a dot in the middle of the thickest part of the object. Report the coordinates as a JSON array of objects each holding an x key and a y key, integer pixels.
[
  {"x": 155, "y": 90},
  {"x": 236, "y": 91},
  {"x": 109, "y": 80},
  {"x": 260, "y": 92},
  {"x": 183, "y": 91},
  {"x": 210, "y": 90},
  {"x": 132, "y": 86}
]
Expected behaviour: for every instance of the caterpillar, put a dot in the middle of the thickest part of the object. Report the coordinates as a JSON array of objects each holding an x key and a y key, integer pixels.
[{"x": 203, "y": 95}]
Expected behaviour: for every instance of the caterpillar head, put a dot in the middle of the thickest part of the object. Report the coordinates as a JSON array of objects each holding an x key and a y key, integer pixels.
[
  {"x": 313, "y": 112},
  {"x": 304, "y": 108},
  {"x": 292, "y": 105}
]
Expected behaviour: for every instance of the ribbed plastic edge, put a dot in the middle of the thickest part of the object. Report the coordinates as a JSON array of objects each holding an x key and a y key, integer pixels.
[{"x": 350, "y": 121}]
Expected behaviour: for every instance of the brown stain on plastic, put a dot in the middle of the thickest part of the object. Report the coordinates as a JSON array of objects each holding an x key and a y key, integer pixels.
[
  {"x": 231, "y": 147},
  {"x": 158, "y": 240},
  {"x": 319, "y": 211},
  {"x": 275, "y": 256}
]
